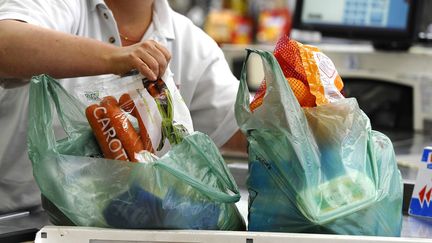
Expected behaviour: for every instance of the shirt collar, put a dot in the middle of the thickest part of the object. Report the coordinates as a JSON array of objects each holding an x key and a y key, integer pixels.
[
  {"x": 162, "y": 19},
  {"x": 162, "y": 16}
]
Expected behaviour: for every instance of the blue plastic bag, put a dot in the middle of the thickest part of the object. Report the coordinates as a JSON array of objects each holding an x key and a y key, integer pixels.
[{"x": 318, "y": 169}]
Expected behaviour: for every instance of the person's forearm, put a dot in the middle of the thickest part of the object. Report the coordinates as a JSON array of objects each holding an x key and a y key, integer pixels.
[{"x": 27, "y": 50}]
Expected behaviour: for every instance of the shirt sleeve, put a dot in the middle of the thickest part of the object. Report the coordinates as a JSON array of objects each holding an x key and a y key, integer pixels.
[
  {"x": 212, "y": 107},
  {"x": 60, "y": 15},
  {"x": 207, "y": 84}
]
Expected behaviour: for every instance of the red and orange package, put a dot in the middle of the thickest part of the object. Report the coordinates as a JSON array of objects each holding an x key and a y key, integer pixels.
[{"x": 310, "y": 73}]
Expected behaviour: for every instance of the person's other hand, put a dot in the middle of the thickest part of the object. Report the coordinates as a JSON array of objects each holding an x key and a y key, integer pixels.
[{"x": 148, "y": 57}]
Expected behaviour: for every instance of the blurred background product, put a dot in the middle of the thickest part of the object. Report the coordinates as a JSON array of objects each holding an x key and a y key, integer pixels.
[
  {"x": 274, "y": 21},
  {"x": 240, "y": 21},
  {"x": 229, "y": 22}
]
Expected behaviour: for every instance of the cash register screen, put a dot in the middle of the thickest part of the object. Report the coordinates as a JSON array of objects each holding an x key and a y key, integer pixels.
[{"x": 358, "y": 19}]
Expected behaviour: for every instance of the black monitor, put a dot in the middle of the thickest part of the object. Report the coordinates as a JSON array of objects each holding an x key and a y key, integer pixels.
[{"x": 387, "y": 23}]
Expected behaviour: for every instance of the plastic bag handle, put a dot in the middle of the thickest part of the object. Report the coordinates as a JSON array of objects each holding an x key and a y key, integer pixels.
[
  {"x": 221, "y": 172},
  {"x": 51, "y": 89},
  {"x": 271, "y": 72},
  {"x": 242, "y": 108},
  {"x": 208, "y": 191},
  {"x": 41, "y": 87},
  {"x": 38, "y": 120},
  {"x": 242, "y": 98}
]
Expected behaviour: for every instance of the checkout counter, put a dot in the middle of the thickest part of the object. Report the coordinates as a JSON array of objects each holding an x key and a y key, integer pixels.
[{"x": 410, "y": 70}]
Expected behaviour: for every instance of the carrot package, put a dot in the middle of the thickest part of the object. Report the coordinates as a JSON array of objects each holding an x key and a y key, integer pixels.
[
  {"x": 310, "y": 73},
  {"x": 180, "y": 181},
  {"x": 132, "y": 116}
]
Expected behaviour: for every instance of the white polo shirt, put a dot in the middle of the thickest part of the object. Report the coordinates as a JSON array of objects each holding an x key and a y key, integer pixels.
[{"x": 200, "y": 71}]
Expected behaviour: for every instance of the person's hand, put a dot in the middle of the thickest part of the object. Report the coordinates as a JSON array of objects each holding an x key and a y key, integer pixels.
[{"x": 149, "y": 58}]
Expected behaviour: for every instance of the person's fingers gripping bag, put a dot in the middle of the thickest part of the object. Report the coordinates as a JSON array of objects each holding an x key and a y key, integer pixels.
[
  {"x": 319, "y": 169},
  {"x": 188, "y": 187}
]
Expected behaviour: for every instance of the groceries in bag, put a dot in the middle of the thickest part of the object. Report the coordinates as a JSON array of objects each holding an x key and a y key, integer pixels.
[
  {"x": 168, "y": 190},
  {"x": 316, "y": 161},
  {"x": 311, "y": 75}
]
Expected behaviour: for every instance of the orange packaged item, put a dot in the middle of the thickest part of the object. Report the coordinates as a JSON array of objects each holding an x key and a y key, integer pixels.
[
  {"x": 123, "y": 128},
  {"x": 147, "y": 117},
  {"x": 105, "y": 135},
  {"x": 311, "y": 74},
  {"x": 128, "y": 105}
]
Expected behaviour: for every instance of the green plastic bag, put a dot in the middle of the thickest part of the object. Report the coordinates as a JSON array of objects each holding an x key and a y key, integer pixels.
[
  {"x": 190, "y": 187},
  {"x": 321, "y": 169}
]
